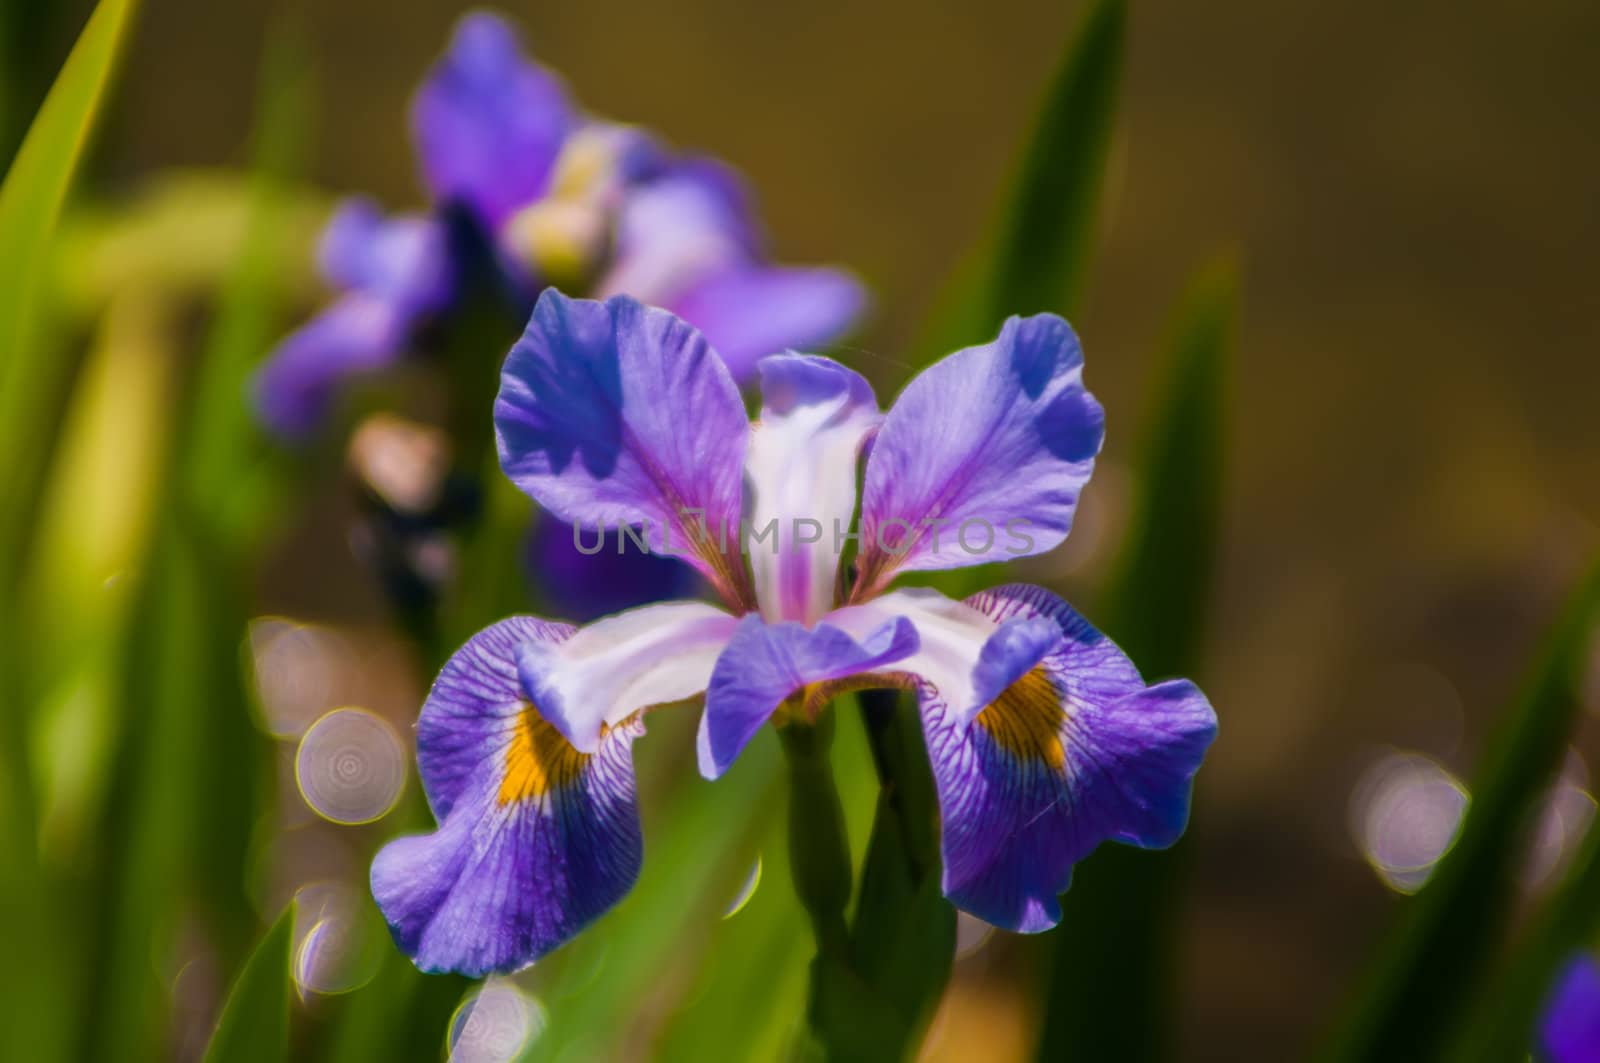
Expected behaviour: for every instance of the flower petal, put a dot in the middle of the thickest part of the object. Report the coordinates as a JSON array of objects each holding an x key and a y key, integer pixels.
[
  {"x": 754, "y": 311},
  {"x": 1570, "y": 1029},
  {"x": 685, "y": 225},
  {"x": 764, "y": 664},
  {"x": 488, "y": 123},
  {"x": 1075, "y": 752},
  {"x": 614, "y": 414},
  {"x": 295, "y": 387},
  {"x": 473, "y": 706},
  {"x": 611, "y": 669},
  {"x": 535, "y": 839},
  {"x": 801, "y": 466},
  {"x": 583, "y": 586},
  {"x": 982, "y": 456}
]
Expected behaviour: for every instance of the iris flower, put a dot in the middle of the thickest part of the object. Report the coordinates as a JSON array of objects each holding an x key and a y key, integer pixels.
[
  {"x": 1044, "y": 739},
  {"x": 1570, "y": 1031},
  {"x": 558, "y": 198}
]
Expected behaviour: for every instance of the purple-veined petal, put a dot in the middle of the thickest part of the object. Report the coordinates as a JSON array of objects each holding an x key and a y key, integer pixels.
[
  {"x": 1569, "y": 1032},
  {"x": 473, "y": 707},
  {"x": 488, "y": 122},
  {"x": 1076, "y": 751},
  {"x": 766, "y": 663},
  {"x": 614, "y": 414},
  {"x": 982, "y": 456},
  {"x": 581, "y": 585},
  {"x": 611, "y": 669},
  {"x": 753, "y": 311},
  {"x": 535, "y": 839},
  {"x": 296, "y": 386},
  {"x": 801, "y": 466}
]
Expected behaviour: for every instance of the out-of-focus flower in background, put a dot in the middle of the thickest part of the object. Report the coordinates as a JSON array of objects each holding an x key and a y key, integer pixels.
[
  {"x": 1570, "y": 1029},
  {"x": 554, "y": 197}
]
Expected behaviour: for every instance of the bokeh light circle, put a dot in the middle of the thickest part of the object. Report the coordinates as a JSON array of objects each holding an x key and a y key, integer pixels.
[
  {"x": 495, "y": 1025},
  {"x": 340, "y": 940},
  {"x": 350, "y": 767},
  {"x": 1404, "y": 815}
]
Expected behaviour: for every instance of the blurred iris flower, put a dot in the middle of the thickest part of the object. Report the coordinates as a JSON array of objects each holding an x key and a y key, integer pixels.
[
  {"x": 1570, "y": 1031},
  {"x": 557, "y": 198},
  {"x": 1043, "y": 737}
]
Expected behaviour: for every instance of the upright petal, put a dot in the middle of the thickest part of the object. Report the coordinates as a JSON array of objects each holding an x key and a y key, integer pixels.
[
  {"x": 764, "y": 664},
  {"x": 752, "y": 311},
  {"x": 689, "y": 223},
  {"x": 295, "y": 387},
  {"x": 488, "y": 123},
  {"x": 982, "y": 456},
  {"x": 1570, "y": 1029},
  {"x": 614, "y": 414},
  {"x": 801, "y": 466},
  {"x": 612, "y": 668},
  {"x": 535, "y": 839},
  {"x": 1074, "y": 752}
]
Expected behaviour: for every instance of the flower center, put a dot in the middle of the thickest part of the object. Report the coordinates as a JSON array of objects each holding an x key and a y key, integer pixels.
[
  {"x": 1025, "y": 720},
  {"x": 538, "y": 760}
]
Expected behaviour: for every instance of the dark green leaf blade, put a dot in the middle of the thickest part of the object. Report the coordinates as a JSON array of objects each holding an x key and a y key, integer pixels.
[
  {"x": 254, "y": 1026},
  {"x": 1428, "y": 971},
  {"x": 1110, "y": 992}
]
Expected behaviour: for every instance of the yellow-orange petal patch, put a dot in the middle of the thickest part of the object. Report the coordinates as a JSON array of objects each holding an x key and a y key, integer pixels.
[
  {"x": 1025, "y": 720},
  {"x": 539, "y": 759}
]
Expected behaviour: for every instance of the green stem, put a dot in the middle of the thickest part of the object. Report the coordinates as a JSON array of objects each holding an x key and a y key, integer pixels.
[{"x": 819, "y": 853}]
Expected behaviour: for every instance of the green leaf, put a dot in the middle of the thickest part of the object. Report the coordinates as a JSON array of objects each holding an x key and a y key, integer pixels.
[
  {"x": 1038, "y": 258},
  {"x": 1509, "y": 1007},
  {"x": 254, "y": 1026},
  {"x": 34, "y": 378},
  {"x": 1110, "y": 992},
  {"x": 34, "y": 1024},
  {"x": 1429, "y": 970}
]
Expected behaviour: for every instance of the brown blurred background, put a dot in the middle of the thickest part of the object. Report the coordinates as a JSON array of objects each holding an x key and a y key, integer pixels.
[{"x": 1414, "y": 468}]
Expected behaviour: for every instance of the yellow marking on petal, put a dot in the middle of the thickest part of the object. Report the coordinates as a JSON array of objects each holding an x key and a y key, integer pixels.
[
  {"x": 1025, "y": 720},
  {"x": 539, "y": 759}
]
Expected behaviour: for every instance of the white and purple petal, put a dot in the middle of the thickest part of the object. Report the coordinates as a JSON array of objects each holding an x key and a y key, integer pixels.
[
  {"x": 801, "y": 467},
  {"x": 1569, "y": 1031},
  {"x": 1076, "y": 751},
  {"x": 764, "y": 664},
  {"x": 610, "y": 670},
  {"x": 535, "y": 839},
  {"x": 489, "y": 123},
  {"x": 982, "y": 456},
  {"x": 615, "y": 414}
]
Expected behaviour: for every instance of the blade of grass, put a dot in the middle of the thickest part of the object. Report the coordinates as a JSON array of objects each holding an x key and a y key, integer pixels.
[
  {"x": 35, "y": 1022},
  {"x": 254, "y": 1026},
  {"x": 1109, "y": 994},
  {"x": 1429, "y": 970},
  {"x": 32, "y": 382}
]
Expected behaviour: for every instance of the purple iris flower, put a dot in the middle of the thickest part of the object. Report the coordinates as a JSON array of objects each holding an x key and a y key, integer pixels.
[
  {"x": 562, "y": 199},
  {"x": 1044, "y": 739},
  {"x": 1570, "y": 1030}
]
